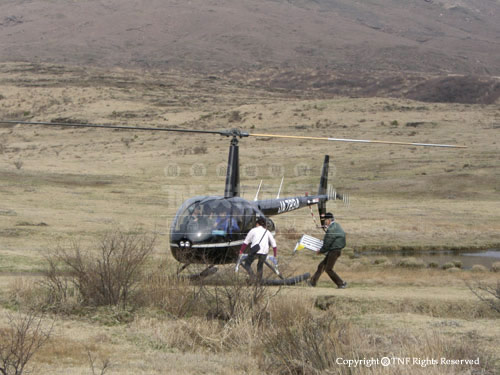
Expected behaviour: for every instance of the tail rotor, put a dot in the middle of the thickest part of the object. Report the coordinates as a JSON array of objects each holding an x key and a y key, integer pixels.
[{"x": 333, "y": 195}]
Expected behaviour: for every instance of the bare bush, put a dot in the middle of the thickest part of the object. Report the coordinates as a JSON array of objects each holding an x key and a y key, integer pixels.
[
  {"x": 487, "y": 294},
  {"x": 25, "y": 335},
  {"x": 105, "y": 364},
  {"x": 200, "y": 150},
  {"x": 235, "y": 116},
  {"x": 170, "y": 293},
  {"x": 231, "y": 298},
  {"x": 56, "y": 289},
  {"x": 225, "y": 297},
  {"x": 103, "y": 276},
  {"x": 290, "y": 233},
  {"x": 308, "y": 346},
  {"x": 18, "y": 164}
]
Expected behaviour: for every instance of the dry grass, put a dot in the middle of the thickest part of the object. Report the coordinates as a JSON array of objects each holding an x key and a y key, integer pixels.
[
  {"x": 364, "y": 321},
  {"x": 81, "y": 183}
]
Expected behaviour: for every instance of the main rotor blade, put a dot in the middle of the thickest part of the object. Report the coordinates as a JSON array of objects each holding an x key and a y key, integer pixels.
[
  {"x": 104, "y": 126},
  {"x": 355, "y": 140},
  {"x": 227, "y": 133}
]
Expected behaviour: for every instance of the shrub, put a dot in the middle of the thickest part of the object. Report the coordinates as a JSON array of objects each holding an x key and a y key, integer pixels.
[
  {"x": 381, "y": 260},
  {"x": 235, "y": 116},
  {"x": 25, "y": 335},
  {"x": 303, "y": 347},
  {"x": 495, "y": 267},
  {"x": 174, "y": 295},
  {"x": 224, "y": 296},
  {"x": 433, "y": 265},
  {"x": 457, "y": 263},
  {"x": 487, "y": 294},
  {"x": 106, "y": 275},
  {"x": 309, "y": 345},
  {"x": 479, "y": 268},
  {"x": 18, "y": 164},
  {"x": 234, "y": 300},
  {"x": 411, "y": 263},
  {"x": 349, "y": 252},
  {"x": 447, "y": 266},
  {"x": 200, "y": 150}
]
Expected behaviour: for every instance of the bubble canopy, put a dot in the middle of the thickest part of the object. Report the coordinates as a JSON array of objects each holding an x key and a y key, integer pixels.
[{"x": 212, "y": 226}]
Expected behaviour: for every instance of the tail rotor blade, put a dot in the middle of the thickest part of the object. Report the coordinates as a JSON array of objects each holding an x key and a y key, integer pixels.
[{"x": 346, "y": 200}]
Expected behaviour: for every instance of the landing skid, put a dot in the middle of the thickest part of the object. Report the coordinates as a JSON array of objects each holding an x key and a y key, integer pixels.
[
  {"x": 274, "y": 268},
  {"x": 290, "y": 281},
  {"x": 210, "y": 270},
  {"x": 282, "y": 281}
]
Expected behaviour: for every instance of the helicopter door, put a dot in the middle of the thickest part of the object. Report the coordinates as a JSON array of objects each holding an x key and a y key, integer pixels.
[{"x": 248, "y": 220}]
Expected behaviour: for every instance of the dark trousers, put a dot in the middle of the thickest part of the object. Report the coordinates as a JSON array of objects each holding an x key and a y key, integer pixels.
[
  {"x": 260, "y": 265},
  {"x": 327, "y": 265}
]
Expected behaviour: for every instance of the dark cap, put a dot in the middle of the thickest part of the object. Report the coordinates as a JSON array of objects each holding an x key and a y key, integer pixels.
[{"x": 328, "y": 215}]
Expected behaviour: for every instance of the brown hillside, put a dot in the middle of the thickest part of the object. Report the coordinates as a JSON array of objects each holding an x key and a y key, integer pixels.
[{"x": 439, "y": 36}]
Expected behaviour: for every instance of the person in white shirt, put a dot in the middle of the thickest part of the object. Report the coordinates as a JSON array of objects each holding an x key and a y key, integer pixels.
[{"x": 262, "y": 237}]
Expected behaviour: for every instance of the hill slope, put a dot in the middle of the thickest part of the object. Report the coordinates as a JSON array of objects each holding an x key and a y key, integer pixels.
[{"x": 438, "y": 36}]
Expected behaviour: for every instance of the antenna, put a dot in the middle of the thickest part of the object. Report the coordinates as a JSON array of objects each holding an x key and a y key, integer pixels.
[
  {"x": 279, "y": 191},
  {"x": 258, "y": 191}
]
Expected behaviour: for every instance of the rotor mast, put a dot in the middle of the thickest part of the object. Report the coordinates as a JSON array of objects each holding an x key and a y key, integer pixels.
[{"x": 232, "y": 188}]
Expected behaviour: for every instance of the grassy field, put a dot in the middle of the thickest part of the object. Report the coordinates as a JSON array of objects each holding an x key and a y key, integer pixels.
[{"x": 58, "y": 185}]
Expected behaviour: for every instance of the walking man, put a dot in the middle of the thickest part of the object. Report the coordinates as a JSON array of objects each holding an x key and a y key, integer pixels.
[
  {"x": 258, "y": 236},
  {"x": 333, "y": 244}
]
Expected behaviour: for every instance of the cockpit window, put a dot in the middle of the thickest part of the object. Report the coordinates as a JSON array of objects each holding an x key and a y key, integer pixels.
[
  {"x": 205, "y": 220},
  {"x": 217, "y": 218},
  {"x": 191, "y": 218}
]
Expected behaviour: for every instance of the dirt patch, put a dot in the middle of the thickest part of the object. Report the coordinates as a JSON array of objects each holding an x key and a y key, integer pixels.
[
  {"x": 329, "y": 83},
  {"x": 421, "y": 87},
  {"x": 457, "y": 89}
]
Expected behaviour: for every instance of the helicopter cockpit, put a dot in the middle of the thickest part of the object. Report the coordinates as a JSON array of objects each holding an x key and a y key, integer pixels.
[{"x": 211, "y": 224}]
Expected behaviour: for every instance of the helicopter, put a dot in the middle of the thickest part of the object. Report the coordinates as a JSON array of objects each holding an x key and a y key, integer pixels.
[{"x": 210, "y": 230}]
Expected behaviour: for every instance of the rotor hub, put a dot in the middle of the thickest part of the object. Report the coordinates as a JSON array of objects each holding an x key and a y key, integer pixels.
[{"x": 235, "y": 133}]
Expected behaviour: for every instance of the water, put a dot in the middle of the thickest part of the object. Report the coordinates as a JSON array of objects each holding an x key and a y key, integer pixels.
[{"x": 468, "y": 258}]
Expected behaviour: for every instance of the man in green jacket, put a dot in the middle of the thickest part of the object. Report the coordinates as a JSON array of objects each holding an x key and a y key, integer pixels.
[{"x": 333, "y": 244}]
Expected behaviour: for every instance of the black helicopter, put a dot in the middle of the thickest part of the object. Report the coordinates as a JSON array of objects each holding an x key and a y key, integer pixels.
[{"x": 210, "y": 229}]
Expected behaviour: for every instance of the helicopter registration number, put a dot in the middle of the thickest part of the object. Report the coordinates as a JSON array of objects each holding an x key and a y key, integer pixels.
[{"x": 288, "y": 205}]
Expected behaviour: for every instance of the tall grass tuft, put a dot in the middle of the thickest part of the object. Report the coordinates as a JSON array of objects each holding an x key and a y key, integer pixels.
[{"x": 307, "y": 346}]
